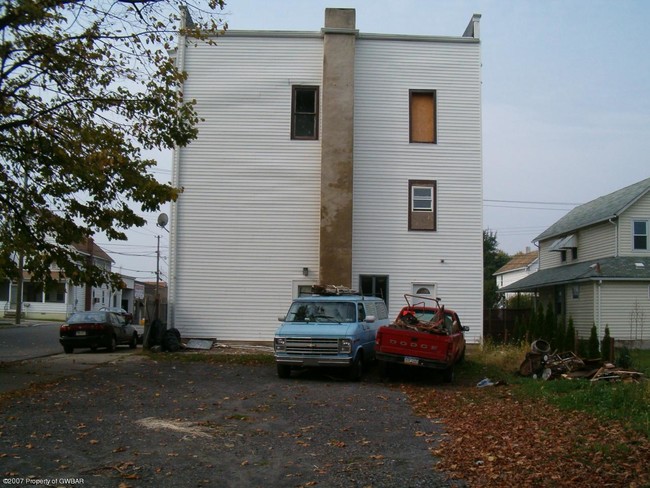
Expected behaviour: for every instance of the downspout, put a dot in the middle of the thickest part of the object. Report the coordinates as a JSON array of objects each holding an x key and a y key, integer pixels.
[
  {"x": 615, "y": 224},
  {"x": 186, "y": 21},
  {"x": 599, "y": 310}
]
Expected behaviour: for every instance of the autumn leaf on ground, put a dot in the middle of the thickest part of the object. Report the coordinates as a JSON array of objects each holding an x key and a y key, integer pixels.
[{"x": 336, "y": 443}]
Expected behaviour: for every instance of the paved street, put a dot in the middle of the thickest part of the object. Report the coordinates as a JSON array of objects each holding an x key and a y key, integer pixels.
[{"x": 32, "y": 339}]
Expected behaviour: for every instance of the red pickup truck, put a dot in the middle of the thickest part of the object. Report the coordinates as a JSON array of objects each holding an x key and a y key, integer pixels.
[{"x": 424, "y": 334}]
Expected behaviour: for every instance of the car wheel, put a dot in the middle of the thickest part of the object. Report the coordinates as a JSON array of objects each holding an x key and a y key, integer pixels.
[
  {"x": 113, "y": 344},
  {"x": 356, "y": 368},
  {"x": 284, "y": 370},
  {"x": 448, "y": 374},
  {"x": 68, "y": 349},
  {"x": 134, "y": 341}
]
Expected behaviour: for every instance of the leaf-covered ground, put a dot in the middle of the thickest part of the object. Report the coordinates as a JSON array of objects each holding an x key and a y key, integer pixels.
[{"x": 493, "y": 439}]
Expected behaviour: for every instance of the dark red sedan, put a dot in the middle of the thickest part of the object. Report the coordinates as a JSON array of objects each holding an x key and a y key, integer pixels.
[{"x": 96, "y": 329}]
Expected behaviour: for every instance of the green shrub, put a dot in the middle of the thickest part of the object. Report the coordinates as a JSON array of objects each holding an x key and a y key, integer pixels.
[
  {"x": 606, "y": 349},
  {"x": 624, "y": 358},
  {"x": 570, "y": 337},
  {"x": 593, "y": 346}
]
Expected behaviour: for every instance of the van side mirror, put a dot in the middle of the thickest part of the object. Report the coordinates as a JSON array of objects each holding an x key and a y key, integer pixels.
[
  {"x": 281, "y": 318},
  {"x": 370, "y": 319},
  {"x": 464, "y": 328}
]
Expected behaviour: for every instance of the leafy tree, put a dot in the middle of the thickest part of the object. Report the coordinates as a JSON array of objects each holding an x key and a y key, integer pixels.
[
  {"x": 493, "y": 259},
  {"x": 85, "y": 87},
  {"x": 521, "y": 301}
]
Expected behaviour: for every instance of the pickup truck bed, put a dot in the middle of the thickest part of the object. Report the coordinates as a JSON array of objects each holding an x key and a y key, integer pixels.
[{"x": 429, "y": 337}]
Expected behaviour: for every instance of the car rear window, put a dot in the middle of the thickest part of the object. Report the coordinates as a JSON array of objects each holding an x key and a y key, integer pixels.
[{"x": 87, "y": 317}]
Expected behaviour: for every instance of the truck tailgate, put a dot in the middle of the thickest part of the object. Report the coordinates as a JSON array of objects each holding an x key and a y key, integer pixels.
[{"x": 401, "y": 342}]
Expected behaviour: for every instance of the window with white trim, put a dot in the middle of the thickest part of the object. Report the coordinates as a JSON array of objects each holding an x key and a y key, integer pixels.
[
  {"x": 640, "y": 235},
  {"x": 422, "y": 205}
]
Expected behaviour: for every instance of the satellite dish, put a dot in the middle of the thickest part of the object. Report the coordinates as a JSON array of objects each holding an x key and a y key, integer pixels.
[{"x": 162, "y": 220}]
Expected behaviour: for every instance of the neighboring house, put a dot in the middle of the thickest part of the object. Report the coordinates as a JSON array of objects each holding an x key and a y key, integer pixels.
[
  {"x": 594, "y": 265},
  {"x": 331, "y": 157},
  {"x": 61, "y": 297},
  {"x": 146, "y": 307},
  {"x": 521, "y": 265}
]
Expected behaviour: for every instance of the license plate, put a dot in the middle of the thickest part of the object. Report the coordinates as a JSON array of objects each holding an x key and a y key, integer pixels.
[
  {"x": 80, "y": 333},
  {"x": 410, "y": 360}
]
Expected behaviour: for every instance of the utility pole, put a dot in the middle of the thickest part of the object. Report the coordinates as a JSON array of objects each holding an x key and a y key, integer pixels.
[
  {"x": 21, "y": 261},
  {"x": 162, "y": 222},
  {"x": 19, "y": 288},
  {"x": 157, "y": 296}
]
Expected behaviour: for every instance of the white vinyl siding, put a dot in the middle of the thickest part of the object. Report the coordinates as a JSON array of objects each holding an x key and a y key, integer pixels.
[
  {"x": 247, "y": 222},
  {"x": 639, "y": 211},
  {"x": 625, "y": 307},
  {"x": 581, "y": 309},
  {"x": 596, "y": 242},
  {"x": 385, "y": 161}
]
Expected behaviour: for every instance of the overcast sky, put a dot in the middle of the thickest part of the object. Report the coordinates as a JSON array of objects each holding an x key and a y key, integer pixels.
[{"x": 565, "y": 98}]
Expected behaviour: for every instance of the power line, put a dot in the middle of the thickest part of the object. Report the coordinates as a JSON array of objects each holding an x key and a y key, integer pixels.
[
  {"x": 531, "y": 202},
  {"x": 518, "y": 207}
]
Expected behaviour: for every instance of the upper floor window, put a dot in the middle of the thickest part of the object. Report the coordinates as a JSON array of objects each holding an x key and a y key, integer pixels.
[
  {"x": 422, "y": 205},
  {"x": 422, "y": 116},
  {"x": 304, "y": 112},
  {"x": 640, "y": 235}
]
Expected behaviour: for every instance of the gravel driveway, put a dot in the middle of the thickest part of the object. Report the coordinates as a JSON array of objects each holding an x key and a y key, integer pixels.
[{"x": 148, "y": 423}]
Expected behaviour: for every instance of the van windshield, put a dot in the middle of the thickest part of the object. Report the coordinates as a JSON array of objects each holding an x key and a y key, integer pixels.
[{"x": 335, "y": 312}]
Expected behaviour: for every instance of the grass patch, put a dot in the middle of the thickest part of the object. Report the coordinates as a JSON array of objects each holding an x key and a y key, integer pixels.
[{"x": 626, "y": 403}]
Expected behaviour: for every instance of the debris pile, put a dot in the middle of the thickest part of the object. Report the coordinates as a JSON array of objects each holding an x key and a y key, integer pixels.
[
  {"x": 540, "y": 364},
  {"x": 409, "y": 320}
]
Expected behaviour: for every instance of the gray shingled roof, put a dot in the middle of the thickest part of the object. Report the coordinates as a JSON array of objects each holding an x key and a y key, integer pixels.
[
  {"x": 606, "y": 269},
  {"x": 598, "y": 210}
]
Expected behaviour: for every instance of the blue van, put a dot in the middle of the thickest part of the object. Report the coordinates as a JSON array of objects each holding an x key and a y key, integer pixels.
[{"x": 329, "y": 329}]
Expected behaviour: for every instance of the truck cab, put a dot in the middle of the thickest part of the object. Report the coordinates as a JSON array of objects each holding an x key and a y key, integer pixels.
[{"x": 329, "y": 328}]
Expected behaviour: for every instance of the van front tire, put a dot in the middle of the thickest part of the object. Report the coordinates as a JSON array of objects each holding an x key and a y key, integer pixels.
[
  {"x": 284, "y": 370},
  {"x": 356, "y": 368}
]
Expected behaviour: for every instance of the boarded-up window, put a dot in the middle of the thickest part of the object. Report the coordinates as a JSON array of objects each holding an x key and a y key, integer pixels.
[
  {"x": 422, "y": 205},
  {"x": 422, "y": 121},
  {"x": 304, "y": 112}
]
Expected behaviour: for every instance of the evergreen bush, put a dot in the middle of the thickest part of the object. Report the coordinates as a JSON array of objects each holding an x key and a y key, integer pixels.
[
  {"x": 624, "y": 358},
  {"x": 606, "y": 347},
  {"x": 594, "y": 345},
  {"x": 570, "y": 337}
]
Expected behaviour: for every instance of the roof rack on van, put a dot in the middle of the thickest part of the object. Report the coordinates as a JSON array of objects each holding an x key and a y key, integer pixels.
[{"x": 332, "y": 290}]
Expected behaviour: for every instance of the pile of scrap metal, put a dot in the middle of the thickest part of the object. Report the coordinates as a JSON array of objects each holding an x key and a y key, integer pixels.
[
  {"x": 332, "y": 290},
  {"x": 407, "y": 319},
  {"x": 540, "y": 363}
]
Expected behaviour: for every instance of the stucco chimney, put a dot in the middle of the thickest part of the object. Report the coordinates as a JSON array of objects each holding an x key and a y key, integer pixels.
[{"x": 337, "y": 147}]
